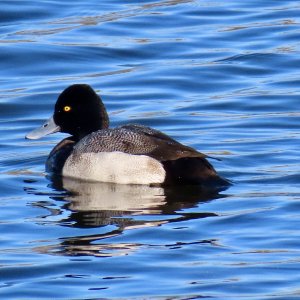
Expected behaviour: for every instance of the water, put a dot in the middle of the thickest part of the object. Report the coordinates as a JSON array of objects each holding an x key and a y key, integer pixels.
[{"x": 220, "y": 76}]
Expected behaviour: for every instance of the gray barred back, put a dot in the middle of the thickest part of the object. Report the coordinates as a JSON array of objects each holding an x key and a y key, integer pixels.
[{"x": 135, "y": 139}]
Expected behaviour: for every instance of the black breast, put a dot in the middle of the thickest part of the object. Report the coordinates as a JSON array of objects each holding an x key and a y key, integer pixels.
[{"x": 59, "y": 155}]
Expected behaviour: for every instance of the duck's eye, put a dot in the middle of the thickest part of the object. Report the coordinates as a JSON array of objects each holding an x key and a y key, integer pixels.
[{"x": 67, "y": 108}]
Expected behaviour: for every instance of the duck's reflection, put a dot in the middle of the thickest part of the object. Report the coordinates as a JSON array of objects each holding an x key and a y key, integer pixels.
[
  {"x": 94, "y": 196},
  {"x": 115, "y": 208}
]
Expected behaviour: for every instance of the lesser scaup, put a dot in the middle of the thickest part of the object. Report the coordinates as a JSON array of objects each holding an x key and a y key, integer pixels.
[{"x": 129, "y": 154}]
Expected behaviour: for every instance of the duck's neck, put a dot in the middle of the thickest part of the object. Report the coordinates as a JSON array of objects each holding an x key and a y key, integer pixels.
[
  {"x": 82, "y": 133},
  {"x": 94, "y": 122}
]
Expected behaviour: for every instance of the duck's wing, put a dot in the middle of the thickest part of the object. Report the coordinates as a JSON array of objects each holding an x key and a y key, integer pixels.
[
  {"x": 138, "y": 140},
  {"x": 148, "y": 131},
  {"x": 164, "y": 147}
]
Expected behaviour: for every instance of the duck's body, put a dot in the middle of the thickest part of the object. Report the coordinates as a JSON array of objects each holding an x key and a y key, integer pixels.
[{"x": 130, "y": 154}]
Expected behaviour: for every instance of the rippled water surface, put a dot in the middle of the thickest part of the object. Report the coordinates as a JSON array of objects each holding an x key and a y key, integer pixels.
[{"x": 220, "y": 76}]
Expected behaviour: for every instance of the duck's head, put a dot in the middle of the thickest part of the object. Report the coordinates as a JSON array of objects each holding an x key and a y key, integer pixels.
[{"x": 78, "y": 111}]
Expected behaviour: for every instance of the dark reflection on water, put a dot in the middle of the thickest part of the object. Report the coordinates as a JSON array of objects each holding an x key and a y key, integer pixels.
[{"x": 93, "y": 204}]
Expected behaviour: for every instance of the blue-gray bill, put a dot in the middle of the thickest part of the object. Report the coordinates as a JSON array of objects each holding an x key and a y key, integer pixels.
[{"x": 47, "y": 128}]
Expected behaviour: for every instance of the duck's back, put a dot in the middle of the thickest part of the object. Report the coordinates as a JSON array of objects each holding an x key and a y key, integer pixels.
[{"x": 136, "y": 140}]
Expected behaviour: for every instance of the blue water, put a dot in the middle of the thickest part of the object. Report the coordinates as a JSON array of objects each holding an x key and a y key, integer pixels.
[{"x": 220, "y": 76}]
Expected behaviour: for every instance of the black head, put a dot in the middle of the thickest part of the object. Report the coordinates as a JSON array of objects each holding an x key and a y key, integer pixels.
[{"x": 80, "y": 111}]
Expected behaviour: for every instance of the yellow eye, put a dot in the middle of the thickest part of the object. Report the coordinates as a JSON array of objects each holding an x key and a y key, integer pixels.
[{"x": 67, "y": 108}]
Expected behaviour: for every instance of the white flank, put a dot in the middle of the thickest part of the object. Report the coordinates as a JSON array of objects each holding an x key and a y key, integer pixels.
[{"x": 114, "y": 167}]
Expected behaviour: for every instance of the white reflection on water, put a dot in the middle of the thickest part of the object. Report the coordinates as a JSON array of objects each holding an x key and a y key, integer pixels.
[{"x": 117, "y": 208}]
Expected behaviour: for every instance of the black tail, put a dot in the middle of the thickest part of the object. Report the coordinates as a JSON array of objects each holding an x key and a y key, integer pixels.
[{"x": 191, "y": 171}]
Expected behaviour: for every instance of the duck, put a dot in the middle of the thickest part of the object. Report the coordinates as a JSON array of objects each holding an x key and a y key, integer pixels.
[{"x": 128, "y": 154}]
